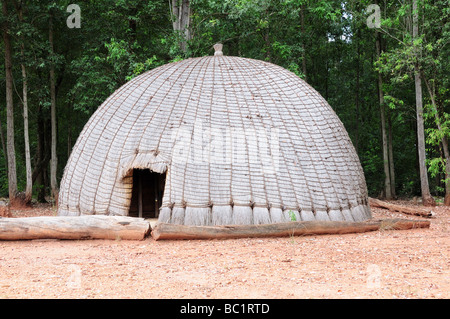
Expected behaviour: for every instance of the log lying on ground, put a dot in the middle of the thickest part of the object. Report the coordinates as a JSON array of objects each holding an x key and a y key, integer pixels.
[
  {"x": 76, "y": 227},
  {"x": 417, "y": 211},
  {"x": 172, "y": 231}
]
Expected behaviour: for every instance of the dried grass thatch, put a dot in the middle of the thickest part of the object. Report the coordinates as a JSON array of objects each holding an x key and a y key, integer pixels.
[{"x": 242, "y": 141}]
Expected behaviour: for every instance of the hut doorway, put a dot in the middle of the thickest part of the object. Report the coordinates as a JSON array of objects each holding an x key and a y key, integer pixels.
[{"x": 147, "y": 193}]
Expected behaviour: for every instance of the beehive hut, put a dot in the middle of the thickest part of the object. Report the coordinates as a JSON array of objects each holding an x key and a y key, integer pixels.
[{"x": 215, "y": 140}]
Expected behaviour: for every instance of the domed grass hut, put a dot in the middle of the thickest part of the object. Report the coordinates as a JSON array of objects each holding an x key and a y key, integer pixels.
[{"x": 215, "y": 140}]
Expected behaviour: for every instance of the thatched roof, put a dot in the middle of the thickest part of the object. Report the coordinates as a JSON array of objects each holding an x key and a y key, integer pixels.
[{"x": 242, "y": 141}]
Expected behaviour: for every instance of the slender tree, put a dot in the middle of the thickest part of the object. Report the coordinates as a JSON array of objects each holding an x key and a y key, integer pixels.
[
  {"x": 387, "y": 177},
  {"x": 303, "y": 31},
  {"x": 2, "y": 140},
  {"x": 443, "y": 138},
  {"x": 427, "y": 199},
  {"x": 10, "y": 147},
  {"x": 391, "y": 156},
  {"x": 54, "y": 158},
  {"x": 29, "y": 185},
  {"x": 181, "y": 17}
]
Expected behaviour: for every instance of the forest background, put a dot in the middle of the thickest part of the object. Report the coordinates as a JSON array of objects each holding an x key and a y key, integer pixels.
[{"x": 383, "y": 66}]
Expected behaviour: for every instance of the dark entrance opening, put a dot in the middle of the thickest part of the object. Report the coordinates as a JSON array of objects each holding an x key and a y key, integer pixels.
[{"x": 147, "y": 193}]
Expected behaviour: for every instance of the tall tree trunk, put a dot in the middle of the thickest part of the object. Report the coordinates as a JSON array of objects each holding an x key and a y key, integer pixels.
[
  {"x": 132, "y": 27},
  {"x": 2, "y": 140},
  {"x": 444, "y": 142},
  {"x": 54, "y": 159},
  {"x": 29, "y": 186},
  {"x": 357, "y": 85},
  {"x": 387, "y": 178},
  {"x": 11, "y": 151},
  {"x": 267, "y": 45},
  {"x": 181, "y": 12},
  {"x": 69, "y": 131},
  {"x": 302, "y": 29},
  {"x": 391, "y": 158},
  {"x": 41, "y": 159},
  {"x": 427, "y": 199},
  {"x": 447, "y": 179}
]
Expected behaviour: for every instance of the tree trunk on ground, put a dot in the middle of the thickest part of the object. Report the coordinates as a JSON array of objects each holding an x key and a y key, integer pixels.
[
  {"x": 54, "y": 159},
  {"x": 11, "y": 152},
  {"x": 181, "y": 12},
  {"x": 74, "y": 227},
  {"x": 302, "y": 228},
  {"x": 424, "y": 212},
  {"x": 427, "y": 199}
]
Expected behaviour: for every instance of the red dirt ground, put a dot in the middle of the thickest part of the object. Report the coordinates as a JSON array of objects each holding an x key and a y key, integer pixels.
[{"x": 382, "y": 264}]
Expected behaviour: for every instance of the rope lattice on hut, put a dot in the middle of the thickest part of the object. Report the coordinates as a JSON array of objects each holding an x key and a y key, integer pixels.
[{"x": 241, "y": 141}]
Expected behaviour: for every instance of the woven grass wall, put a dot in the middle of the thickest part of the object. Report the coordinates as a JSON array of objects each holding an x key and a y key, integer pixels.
[{"x": 242, "y": 141}]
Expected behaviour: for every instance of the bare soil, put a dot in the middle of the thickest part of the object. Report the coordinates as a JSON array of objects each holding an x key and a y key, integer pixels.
[{"x": 383, "y": 264}]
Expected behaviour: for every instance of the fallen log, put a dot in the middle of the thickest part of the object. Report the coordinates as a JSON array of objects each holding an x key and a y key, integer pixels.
[
  {"x": 74, "y": 227},
  {"x": 301, "y": 228},
  {"x": 417, "y": 211}
]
